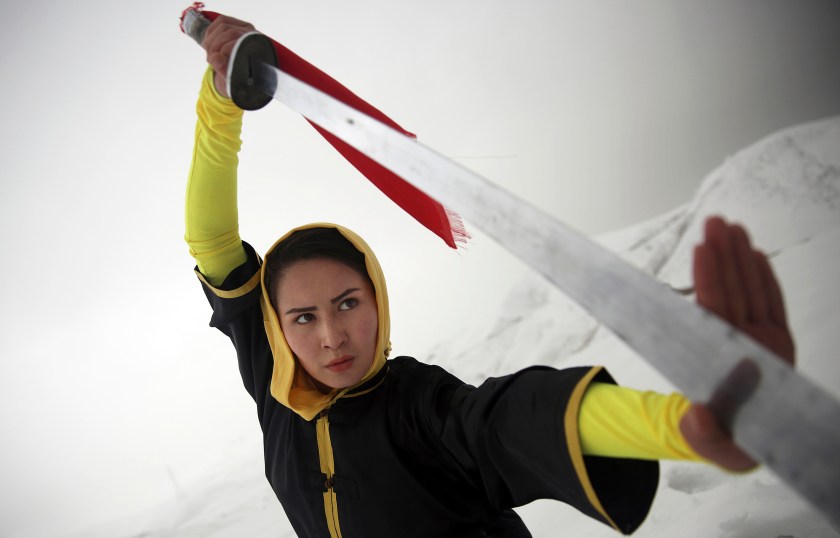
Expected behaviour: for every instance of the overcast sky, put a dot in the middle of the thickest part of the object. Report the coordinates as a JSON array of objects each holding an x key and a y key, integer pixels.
[{"x": 602, "y": 113}]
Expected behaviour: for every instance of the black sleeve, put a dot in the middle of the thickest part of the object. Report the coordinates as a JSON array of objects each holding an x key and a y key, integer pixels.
[
  {"x": 518, "y": 435},
  {"x": 237, "y": 313}
]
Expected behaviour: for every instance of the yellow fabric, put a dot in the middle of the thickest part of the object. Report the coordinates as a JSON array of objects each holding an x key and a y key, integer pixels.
[
  {"x": 290, "y": 385},
  {"x": 212, "y": 221},
  {"x": 327, "y": 462},
  {"x": 625, "y": 423}
]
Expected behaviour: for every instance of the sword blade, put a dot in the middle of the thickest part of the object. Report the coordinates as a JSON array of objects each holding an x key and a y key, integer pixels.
[{"x": 778, "y": 416}]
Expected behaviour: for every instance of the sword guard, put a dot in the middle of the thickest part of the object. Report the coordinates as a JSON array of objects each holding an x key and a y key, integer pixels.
[{"x": 247, "y": 82}]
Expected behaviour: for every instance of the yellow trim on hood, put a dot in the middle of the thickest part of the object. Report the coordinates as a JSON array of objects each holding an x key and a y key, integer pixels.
[{"x": 290, "y": 384}]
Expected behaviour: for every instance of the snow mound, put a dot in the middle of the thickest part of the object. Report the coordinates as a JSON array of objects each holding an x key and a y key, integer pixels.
[{"x": 785, "y": 189}]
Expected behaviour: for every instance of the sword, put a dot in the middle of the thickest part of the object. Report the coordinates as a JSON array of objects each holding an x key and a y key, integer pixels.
[{"x": 779, "y": 417}]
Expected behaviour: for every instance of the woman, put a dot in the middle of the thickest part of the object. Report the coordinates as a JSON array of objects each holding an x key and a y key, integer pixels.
[{"x": 357, "y": 444}]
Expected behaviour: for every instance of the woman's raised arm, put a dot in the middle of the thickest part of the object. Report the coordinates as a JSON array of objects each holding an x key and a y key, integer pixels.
[{"x": 212, "y": 220}]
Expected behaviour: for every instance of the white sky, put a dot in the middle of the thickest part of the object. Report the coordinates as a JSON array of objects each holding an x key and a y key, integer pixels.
[{"x": 603, "y": 113}]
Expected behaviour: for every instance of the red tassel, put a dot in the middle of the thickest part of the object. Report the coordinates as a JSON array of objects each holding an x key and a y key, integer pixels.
[{"x": 426, "y": 210}]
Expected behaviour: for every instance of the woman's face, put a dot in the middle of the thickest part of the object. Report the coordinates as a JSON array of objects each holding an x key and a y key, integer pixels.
[{"x": 327, "y": 311}]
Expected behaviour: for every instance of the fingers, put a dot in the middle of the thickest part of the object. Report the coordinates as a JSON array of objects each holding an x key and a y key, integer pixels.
[
  {"x": 751, "y": 277},
  {"x": 726, "y": 280},
  {"x": 731, "y": 278},
  {"x": 718, "y": 234},
  {"x": 707, "y": 281},
  {"x": 783, "y": 345},
  {"x": 221, "y": 37},
  {"x": 775, "y": 299}
]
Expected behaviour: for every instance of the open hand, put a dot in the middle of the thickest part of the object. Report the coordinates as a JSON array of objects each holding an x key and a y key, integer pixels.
[
  {"x": 735, "y": 282},
  {"x": 221, "y": 36}
]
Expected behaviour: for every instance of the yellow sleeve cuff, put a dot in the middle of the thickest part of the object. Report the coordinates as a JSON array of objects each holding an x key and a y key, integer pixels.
[{"x": 624, "y": 423}]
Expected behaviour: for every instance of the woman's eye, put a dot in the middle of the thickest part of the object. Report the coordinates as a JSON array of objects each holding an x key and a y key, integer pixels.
[
  {"x": 303, "y": 319},
  {"x": 347, "y": 304}
]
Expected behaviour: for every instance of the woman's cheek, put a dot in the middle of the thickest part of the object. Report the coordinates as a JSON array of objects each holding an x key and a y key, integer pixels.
[{"x": 295, "y": 341}]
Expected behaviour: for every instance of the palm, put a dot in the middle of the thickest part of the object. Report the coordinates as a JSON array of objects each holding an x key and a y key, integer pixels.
[{"x": 735, "y": 282}]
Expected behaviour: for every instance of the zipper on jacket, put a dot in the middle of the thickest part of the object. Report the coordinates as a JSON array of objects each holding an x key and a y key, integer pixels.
[{"x": 325, "y": 457}]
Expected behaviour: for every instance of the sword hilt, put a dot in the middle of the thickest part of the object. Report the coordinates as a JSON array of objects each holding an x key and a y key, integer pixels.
[
  {"x": 247, "y": 83},
  {"x": 193, "y": 23}
]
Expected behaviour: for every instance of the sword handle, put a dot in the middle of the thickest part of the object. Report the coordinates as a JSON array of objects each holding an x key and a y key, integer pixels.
[
  {"x": 193, "y": 23},
  {"x": 249, "y": 85}
]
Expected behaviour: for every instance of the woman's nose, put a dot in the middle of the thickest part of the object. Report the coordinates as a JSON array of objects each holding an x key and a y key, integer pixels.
[{"x": 333, "y": 335}]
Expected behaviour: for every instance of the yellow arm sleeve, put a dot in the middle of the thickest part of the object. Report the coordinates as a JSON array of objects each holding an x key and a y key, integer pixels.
[
  {"x": 212, "y": 220},
  {"x": 623, "y": 423}
]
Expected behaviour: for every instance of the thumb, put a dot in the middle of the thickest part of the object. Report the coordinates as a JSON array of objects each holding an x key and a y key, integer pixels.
[{"x": 704, "y": 434}]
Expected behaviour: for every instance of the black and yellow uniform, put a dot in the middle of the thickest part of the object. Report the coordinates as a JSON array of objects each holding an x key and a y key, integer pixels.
[{"x": 411, "y": 450}]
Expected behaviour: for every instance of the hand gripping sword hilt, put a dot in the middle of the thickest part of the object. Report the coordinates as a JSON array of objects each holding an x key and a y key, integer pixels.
[{"x": 249, "y": 84}]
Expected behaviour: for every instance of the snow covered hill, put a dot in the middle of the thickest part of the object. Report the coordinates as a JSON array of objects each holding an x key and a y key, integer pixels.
[{"x": 786, "y": 190}]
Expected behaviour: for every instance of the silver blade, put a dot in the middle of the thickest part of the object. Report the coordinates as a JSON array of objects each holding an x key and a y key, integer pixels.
[{"x": 778, "y": 416}]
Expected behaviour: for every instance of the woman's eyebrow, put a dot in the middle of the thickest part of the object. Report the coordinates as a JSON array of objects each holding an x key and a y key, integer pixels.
[
  {"x": 344, "y": 294},
  {"x": 303, "y": 309}
]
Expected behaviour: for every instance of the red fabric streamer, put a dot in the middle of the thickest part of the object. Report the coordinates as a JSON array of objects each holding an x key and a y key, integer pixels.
[{"x": 426, "y": 210}]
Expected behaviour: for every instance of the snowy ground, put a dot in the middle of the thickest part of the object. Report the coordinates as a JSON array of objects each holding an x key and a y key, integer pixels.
[{"x": 786, "y": 189}]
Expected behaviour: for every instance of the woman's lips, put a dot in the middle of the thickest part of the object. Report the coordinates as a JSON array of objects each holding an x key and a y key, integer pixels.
[{"x": 341, "y": 364}]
